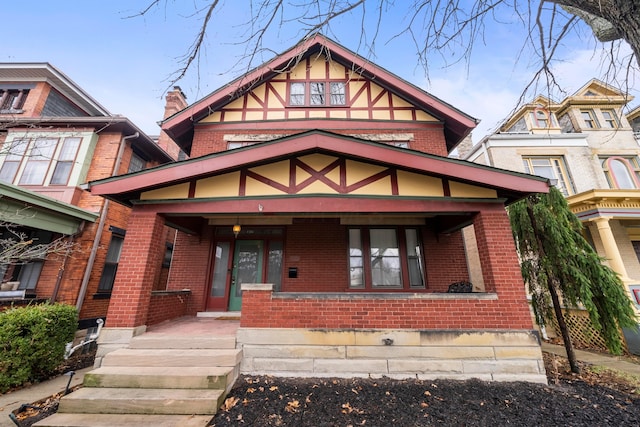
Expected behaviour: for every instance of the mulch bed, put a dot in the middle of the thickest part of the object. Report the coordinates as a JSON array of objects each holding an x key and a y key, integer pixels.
[{"x": 588, "y": 399}]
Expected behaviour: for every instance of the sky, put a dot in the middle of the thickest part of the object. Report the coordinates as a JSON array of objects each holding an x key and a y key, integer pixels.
[{"x": 126, "y": 62}]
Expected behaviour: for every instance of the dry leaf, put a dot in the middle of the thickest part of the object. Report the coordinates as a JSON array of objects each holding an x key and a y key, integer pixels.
[
  {"x": 273, "y": 388},
  {"x": 427, "y": 393},
  {"x": 229, "y": 403},
  {"x": 251, "y": 390},
  {"x": 292, "y": 406}
]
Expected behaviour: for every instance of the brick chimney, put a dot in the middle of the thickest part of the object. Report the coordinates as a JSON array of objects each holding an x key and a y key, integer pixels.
[{"x": 174, "y": 101}]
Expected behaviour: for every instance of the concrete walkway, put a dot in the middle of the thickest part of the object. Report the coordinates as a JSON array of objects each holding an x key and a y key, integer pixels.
[
  {"x": 12, "y": 401},
  {"x": 608, "y": 361}
]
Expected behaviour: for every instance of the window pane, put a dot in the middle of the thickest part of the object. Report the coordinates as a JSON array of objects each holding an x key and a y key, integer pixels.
[
  {"x": 34, "y": 172},
  {"x": 317, "y": 93},
  {"x": 338, "y": 93},
  {"x": 8, "y": 171},
  {"x": 43, "y": 148},
  {"x": 115, "y": 248},
  {"x": 108, "y": 277},
  {"x": 414, "y": 258},
  {"x": 220, "y": 268},
  {"x": 385, "y": 259},
  {"x": 61, "y": 173},
  {"x": 69, "y": 149},
  {"x": 29, "y": 274},
  {"x": 296, "y": 97},
  {"x": 355, "y": 259},
  {"x": 274, "y": 268},
  {"x": 15, "y": 149},
  {"x": 623, "y": 178},
  {"x": 136, "y": 163}
]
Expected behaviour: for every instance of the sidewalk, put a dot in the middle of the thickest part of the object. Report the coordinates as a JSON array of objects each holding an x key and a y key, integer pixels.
[
  {"x": 11, "y": 401},
  {"x": 608, "y": 361}
]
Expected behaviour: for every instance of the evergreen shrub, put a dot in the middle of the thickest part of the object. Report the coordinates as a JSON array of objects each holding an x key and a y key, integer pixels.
[{"x": 32, "y": 342}]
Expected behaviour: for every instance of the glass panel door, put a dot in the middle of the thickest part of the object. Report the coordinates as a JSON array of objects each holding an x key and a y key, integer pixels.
[{"x": 247, "y": 268}]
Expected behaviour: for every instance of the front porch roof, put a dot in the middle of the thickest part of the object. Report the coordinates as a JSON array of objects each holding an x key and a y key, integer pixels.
[
  {"x": 508, "y": 185},
  {"x": 30, "y": 209}
]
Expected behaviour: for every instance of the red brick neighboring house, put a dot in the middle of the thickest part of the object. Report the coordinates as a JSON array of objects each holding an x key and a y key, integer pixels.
[
  {"x": 54, "y": 137},
  {"x": 319, "y": 203}
]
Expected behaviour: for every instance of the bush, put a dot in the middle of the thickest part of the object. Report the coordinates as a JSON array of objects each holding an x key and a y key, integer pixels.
[{"x": 32, "y": 342}]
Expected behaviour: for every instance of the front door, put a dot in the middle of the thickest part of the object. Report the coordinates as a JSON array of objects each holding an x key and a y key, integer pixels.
[{"x": 247, "y": 268}]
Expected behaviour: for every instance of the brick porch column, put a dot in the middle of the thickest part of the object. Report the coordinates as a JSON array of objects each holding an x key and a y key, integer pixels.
[
  {"x": 140, "y": 263},
  {"x": 499, "y": 260}
]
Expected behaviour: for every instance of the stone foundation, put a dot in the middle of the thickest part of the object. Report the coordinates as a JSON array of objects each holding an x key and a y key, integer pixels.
[{"x": 394, "y": 353}]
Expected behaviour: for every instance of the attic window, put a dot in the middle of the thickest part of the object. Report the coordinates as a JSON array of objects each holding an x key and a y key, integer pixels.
[
  {"x": 317, "y": 93},
  {"x": 12, "y": 100}
]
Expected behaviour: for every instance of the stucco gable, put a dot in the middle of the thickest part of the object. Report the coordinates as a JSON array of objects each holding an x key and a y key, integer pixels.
[{"x": 327, "y": 163}]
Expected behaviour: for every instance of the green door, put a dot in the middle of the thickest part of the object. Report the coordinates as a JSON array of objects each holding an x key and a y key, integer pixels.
[{"x": 247, "y": 268}]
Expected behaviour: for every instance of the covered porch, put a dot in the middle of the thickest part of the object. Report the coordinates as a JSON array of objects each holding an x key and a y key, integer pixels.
[{"x": 334, "y": 251}]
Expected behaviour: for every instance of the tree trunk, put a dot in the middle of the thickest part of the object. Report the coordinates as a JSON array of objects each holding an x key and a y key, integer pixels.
[
  {"x": 564, "y": 331},
  {"x": 624, "y": 15}
]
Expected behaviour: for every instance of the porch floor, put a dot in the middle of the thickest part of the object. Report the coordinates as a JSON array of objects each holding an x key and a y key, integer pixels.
[{"x": 214, "y": 324}]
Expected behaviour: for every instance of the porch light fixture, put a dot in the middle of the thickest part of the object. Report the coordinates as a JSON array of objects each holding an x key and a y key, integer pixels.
[{"x": 236, "y": 229}]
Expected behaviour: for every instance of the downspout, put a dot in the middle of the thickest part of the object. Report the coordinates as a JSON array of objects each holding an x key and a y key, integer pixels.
[
  {"x": 103, "y": 217},
  {"x": 56, "y": 288}
]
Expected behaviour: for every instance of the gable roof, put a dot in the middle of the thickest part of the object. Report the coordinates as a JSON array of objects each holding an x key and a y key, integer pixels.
[
  {"x": 29, "y": 72},
  {"x": 457, "y": 124},
  {"x": 127, "y": 189}
]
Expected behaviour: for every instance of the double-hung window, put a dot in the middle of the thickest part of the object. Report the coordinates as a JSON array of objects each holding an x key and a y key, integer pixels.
[
  {"x": 38, "y": 161},
  {"x": 385, "y": 258},
  {"x": 64, "y": 163},
  {"x": 553, "y": 168},
  {"x": 317, "y": 93},
  {"x": 589, "y": 119},
  {"x": 622, "y": 172},
  {"x": 610, "y": 120},
  {"x": 111, "y": 263}
]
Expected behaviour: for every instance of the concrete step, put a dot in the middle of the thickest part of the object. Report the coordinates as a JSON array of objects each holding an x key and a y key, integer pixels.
[
  {"x": 123, "y": 420},
  {"x": 180, "y": 342},
  {"x": 90, "y": 400},
  {"x": 161, "y": 377},
  {"x": 172, "y": 357}
]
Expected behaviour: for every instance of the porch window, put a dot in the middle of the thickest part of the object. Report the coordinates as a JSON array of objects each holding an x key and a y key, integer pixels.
[
  {"x": 25, "y": 271},
  {"x": 384, "y": 258},
  {"x": 111, "y": 263}
]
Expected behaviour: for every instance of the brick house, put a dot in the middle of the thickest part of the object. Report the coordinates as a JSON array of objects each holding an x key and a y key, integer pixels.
[
  {"x": 54, "y": 137},
  {"x": 586, "y": 145},
  {"x": 319, "y": 204}
]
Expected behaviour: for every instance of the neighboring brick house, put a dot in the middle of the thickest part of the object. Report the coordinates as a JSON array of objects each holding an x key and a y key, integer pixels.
[
  {"x": 54, "y": 137},
  {"x": 320, "y": 205},
  {"x": 586, "y": 146}
]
